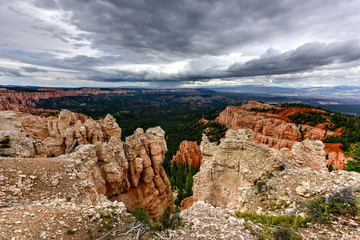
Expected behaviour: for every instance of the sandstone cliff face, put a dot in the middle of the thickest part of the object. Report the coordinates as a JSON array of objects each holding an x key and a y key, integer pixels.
[
  {"x": 273, "y": 129},
  {"x": 189, "y": 153},
  {"x": 236, "y": 174},
  {"x": 129, "y": 171}
]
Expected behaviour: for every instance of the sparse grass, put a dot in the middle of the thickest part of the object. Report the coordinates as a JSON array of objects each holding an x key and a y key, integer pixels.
[
  {"x": 260, "y": 184},
  {"x": 70, "y": 231},
  {"x": 282, "y": 220},
  {"x": 108, "y": 221},
  {"x": 270, "y": 175},
  {"x": 284, "y": 225},
  {"x": 91, "y": 232},
  {"x": 341, "y": 202}
]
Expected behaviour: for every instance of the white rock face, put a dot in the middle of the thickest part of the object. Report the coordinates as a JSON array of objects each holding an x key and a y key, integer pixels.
[
  {"x": 232, "y": 165},
  {"x": 307, "y": 154},
  {"x": 242, "y": 175}
]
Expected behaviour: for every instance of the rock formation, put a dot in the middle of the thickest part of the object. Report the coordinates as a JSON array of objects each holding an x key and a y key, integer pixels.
[
  {"x": 235, "y": 163},
  {"x": 129, "y": 171},
  {"x": 58, "y": 134},
  {"x": 307, "y": 154},
  {"x": 189, "y": 153},
  {"x": 240, "y": 174},
  {"x": 101, "y": 164},
  {"x": 273, "y": 129}
]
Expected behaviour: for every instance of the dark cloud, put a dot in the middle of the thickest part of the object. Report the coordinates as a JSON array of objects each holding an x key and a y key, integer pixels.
[
  {"x": 33, "y": 69},
  {"x": 306, "y": 57},
  {"x": 180, "y": 28},
  {"x": 9, "y": 72},
  {"x": 109, "y": 41}
]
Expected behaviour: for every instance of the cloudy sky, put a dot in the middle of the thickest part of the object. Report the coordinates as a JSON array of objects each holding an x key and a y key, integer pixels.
[{"x": 182, "y": 43}]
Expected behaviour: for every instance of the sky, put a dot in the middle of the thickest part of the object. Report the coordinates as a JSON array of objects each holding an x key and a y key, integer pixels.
[{"x": 182, "y": 43}]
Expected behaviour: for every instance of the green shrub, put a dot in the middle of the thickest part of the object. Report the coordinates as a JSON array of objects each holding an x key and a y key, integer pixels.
[
  {"x": 141, "y": 214},
  {"x": 51, "y": 155},
  {"x": 282, "y": 220},
  {"x": 285, "y": 234},
  {"x": 270, "y": 175},
  {"x": 5, "y": 141},
  {"x": 354, "y": 152},
  {"x": 259, "y": 185},
  {"x": 165, "y": 218},
  {"x": 341, "y": 202}
]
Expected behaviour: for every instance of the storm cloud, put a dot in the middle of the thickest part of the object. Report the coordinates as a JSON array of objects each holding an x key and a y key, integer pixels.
[{"x": 184, "y": 42}]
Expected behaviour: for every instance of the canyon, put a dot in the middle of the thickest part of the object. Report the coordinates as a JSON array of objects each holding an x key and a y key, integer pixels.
[
  {"x": 23, "y": 101},
  {"x": 69, "y": 171}
]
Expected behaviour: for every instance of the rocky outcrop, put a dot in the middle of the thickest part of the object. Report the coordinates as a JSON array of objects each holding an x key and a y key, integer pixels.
[
  {"x": 57, "y": 134},
  {"x": 101, "y": 164},
  {"x": 240, "y": 174},
  {"x": 129, "y": 171},
  {"x": 270, "y": 131},
  {"x": 20, "y": 145},
  {"x": 70, "y": 126},
  {"x": 189, "y": 153},
  {"x": 235, "y": 163},
  {"x": 307, "y": 154},
  {"x": 273, "y": 129}
]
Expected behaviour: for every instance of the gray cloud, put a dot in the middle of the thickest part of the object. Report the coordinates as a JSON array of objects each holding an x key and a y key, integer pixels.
[
  {"x": 306, "y": 57},
  {"x": 33, "y": 69},
  {"x": 114, "y": 41},
  {"x": 9, "y": 72}
]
